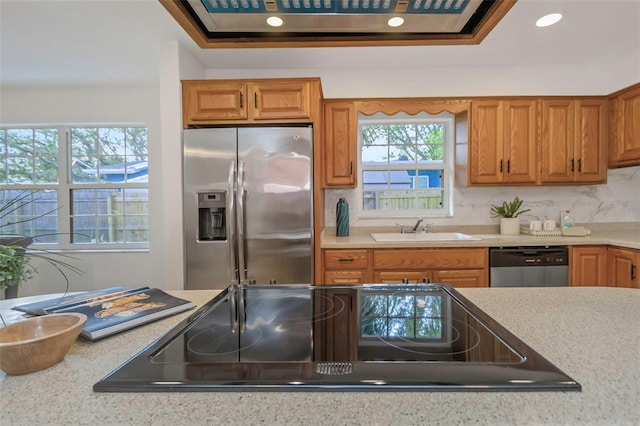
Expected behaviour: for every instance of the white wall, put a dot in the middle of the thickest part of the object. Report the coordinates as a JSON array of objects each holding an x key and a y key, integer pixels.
[
  {"x": 442, "y": 80},
  {"x": 77, "y": 105}
]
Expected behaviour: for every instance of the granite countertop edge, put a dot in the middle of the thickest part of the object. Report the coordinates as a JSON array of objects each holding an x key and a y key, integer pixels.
[{"x": 627, "y": 236}]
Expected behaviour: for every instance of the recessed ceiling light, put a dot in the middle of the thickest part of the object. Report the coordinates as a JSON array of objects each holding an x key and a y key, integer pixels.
[
  {"x": 549, "y": 19},
  {"x": 396, "y": 21},
  {"x": 274, "y": 21}
]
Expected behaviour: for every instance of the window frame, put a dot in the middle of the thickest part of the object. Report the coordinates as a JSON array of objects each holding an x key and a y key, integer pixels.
[
  {"x": 65, "y": 186},
  {"x": 447, "y": 166}
]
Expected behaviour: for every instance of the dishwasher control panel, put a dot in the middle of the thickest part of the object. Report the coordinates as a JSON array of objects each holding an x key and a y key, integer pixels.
[{"x": 528, "y": 256}]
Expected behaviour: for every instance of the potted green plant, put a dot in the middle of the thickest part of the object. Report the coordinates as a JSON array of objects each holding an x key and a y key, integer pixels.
[
  {"x": 15, "y": 266},
  {"x": 508, "y": 213}
]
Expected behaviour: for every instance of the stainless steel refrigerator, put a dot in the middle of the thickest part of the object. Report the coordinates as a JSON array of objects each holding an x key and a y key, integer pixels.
[{"x": 248, "y": 206}]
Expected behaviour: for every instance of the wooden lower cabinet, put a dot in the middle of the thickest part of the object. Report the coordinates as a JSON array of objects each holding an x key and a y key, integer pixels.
[
  {"x": 588, "y": 265},
  {"x": 395, "y": 277},
  {"x": 462, "y": 278},
  {"x": 346, "y": 267},
  {"x": 345, "y": 277},
  {"x": 459, "y": 267},
  {"x": 622, "y": 265}
]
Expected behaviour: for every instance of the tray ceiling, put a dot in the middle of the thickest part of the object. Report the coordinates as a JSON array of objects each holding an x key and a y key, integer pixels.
[{"x": 326, "y": 23}]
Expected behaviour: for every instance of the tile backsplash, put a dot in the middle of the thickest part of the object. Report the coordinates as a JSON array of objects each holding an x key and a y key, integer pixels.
[{"x": 616, "y": 201}]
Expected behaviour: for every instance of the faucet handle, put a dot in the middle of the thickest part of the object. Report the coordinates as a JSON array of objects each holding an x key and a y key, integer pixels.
[
  {"x": 425, "y": 226},
  {"x": 401, "y": 227}
]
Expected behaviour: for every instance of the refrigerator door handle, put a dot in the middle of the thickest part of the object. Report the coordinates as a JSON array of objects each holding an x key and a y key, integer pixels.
[
  {"x": 233, "y": 245},
  {"x": 240, "y": 223},
  {"x": 233, "y": 309}
]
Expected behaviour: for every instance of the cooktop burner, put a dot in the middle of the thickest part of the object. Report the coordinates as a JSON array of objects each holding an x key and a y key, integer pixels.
[{"x": 370, "y": 337}]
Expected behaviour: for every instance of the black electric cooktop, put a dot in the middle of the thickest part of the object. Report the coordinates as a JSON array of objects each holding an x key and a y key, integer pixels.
[{"x": 378, "y": 337}]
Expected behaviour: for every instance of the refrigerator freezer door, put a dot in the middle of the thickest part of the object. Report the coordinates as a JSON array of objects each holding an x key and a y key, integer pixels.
[
  {"x": 209, "y": 165},
  {"x": 275, "y": 205}
]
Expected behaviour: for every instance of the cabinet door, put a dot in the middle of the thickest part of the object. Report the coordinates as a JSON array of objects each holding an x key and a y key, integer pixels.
[
  {"x": 520, "y": 141},
  {"x": 398, "y": 277},
  {"x": 279, "y": 100},
  {"x": 625, "y": 127},
  {"x": 486, "y": 156},
  {"x": 590, "y": 152},
  {"x": 588, "y": 266},
  {"x": 340, "y": 144},
  {"x": 623, "y": 267},
  {"x": 557, "y": 161},
  {"x": 462, "y": 278},
  {"x": 212, "y": 101}
]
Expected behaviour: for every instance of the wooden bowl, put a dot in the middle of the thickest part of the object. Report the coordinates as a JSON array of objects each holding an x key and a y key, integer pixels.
[{"x": 38, "y": 343}]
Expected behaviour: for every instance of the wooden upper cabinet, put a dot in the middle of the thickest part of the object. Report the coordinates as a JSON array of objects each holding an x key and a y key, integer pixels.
[
  {"x": 503, "y": 142},
  {"x": 591, "y": 141},
  {"x": 211, "y": 101},
  {"x": 574, "y": 141},
  {"x": 279, "y": 100},
  {"x": 520, "y": 141},
  {"x": 485, "y": 147},
  {"x": 340, "y": 144},
  {"x": 231, "y": 101},
  {"x": 624, "y": 127}
]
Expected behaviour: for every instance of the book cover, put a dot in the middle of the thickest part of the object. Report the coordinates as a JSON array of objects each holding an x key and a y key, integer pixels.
[
  {"x": 57, "y": 303},
  {"x": 113, "y": 315}
]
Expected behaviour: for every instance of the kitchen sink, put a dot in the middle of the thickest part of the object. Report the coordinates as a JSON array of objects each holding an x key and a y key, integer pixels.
[{"x": 422, "y": 236}]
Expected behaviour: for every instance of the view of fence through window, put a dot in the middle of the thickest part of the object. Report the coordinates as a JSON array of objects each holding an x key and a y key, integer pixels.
[
  {"x": 403, "y": 165},
  {"x": 91, "y": 189}
]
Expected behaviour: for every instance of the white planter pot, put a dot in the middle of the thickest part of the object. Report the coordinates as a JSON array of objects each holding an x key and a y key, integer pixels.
[{"x": 510, "y": 226}]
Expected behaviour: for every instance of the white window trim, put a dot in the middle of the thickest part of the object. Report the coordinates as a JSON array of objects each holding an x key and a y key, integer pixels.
[
  {"x": 447, "y": 166},
  {"x": 65, "y": 185}
]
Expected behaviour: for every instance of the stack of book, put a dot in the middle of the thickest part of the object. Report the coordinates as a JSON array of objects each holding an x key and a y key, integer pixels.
[{"x": 113, "y": 309}]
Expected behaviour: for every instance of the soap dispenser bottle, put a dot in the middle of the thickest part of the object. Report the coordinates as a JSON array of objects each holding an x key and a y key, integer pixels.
[{"x": 566, "y": 219}]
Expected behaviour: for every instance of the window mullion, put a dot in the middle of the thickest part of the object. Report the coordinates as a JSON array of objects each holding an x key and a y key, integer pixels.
[{"x": 64, "y": 179}]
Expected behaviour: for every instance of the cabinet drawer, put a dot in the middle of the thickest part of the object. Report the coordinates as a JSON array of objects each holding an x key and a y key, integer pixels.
[
  {"x": 351, "y": 277},
  {"x": 397, "y": 277},
  {"x": 465, "y": 278},
  {"x": 345, "y": 259},
  {"x": 458, "y": 258}
]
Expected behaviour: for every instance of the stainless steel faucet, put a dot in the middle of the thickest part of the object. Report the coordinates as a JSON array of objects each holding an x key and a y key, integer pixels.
[{"x": 415, "y": 228}]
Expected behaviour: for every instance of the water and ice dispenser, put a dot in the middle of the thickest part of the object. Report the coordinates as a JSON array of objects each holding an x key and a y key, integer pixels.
[{"x": 212, "y": 216}]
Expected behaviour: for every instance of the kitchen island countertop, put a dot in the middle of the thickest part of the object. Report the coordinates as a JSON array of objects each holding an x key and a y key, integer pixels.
[{"x": 590, "y": 333}]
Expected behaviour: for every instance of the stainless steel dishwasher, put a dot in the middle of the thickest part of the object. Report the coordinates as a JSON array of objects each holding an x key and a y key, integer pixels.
[{"x": 546, "y": 266}]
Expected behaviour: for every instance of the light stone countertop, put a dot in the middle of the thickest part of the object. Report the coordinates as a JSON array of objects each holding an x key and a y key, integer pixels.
[
  {"x": 590, "y": 333},
  {"x": 627, "y": 236}
]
